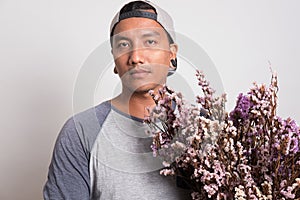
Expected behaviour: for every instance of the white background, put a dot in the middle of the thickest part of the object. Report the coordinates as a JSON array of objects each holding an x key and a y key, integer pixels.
[{"x": 43, "y": 45}]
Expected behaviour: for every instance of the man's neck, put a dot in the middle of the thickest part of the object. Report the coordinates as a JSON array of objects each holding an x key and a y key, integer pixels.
[{"x": 136, "y": 104}]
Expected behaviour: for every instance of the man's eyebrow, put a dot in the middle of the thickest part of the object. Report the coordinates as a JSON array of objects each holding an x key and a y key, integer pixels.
[
  {"x": 151, "y": 33},
  {"x": 120, "y": 37},
  {"x": 143, "y": 35}
]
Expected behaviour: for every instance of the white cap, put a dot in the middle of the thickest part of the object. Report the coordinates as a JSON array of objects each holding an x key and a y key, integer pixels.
[{"x": 161, "y": 16}]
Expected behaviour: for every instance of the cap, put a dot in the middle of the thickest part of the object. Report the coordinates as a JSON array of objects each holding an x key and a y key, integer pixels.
[{"x": 161, "y": 16}]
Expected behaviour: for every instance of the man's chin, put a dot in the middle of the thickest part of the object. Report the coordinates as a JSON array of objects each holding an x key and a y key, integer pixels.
[{"x": 145, "y": 88}]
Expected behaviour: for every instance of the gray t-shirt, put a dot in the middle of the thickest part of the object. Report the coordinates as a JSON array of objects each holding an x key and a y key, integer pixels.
[{"x": 103, "y": 153}]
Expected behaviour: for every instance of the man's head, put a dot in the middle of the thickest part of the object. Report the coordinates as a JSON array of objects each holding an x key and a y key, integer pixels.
[{"x": 142, "y": 41}]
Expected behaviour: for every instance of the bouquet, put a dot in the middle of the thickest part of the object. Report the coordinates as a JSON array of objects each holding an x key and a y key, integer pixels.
[{"x": 250, "y": 153}]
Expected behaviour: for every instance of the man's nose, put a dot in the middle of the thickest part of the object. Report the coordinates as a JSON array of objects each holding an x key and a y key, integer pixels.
[{"x": 137, "y": 56}]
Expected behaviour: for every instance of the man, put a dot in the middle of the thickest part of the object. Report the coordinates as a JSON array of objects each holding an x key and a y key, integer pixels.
[{"x": 103, "y": 153}]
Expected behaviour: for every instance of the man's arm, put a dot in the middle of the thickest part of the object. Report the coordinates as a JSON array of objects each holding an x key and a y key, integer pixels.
[{"x": 68, "y": 176}]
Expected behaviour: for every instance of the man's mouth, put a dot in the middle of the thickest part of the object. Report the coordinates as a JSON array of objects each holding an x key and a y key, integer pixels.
[{"x": 139, "y": 72}]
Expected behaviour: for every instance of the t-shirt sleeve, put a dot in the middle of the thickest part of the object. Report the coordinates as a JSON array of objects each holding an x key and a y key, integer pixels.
[{"x": 68, "y": 176}]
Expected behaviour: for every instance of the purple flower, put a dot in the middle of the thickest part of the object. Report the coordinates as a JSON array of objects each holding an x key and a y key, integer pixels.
[
  {"x": 241, "y": 111},
  {"x": 249, "y": 154}
]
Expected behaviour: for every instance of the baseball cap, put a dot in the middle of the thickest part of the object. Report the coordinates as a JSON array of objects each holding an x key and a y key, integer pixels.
[{"x": 160, "y": 16}]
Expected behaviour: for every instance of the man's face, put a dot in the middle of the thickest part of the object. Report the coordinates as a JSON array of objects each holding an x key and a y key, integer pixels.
[{"x": 142, "y": 54}]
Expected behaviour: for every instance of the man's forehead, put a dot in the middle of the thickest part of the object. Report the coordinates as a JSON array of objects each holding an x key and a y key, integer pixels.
[
  {"x": 140, "y": 32},
  {"x": 136, "y": 23}
]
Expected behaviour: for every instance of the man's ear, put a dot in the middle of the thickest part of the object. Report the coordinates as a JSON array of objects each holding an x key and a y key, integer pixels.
[
  {"x": 173, "y": 50},
  {"x": 112, "y": 53}
]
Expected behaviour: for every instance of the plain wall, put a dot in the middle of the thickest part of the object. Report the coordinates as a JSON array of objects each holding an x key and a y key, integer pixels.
[{"x": 44, "y": 45}]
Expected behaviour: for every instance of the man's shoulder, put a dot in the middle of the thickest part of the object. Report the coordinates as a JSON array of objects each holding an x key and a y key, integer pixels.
[
  {"x": 87, "y": 124},
  {"x": 96, "y": 114}
]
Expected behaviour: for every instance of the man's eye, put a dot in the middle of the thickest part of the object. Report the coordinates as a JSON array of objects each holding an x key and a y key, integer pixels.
[
  {"x": 151, "y": 42},
  {"x": 123, "y": 44}
]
